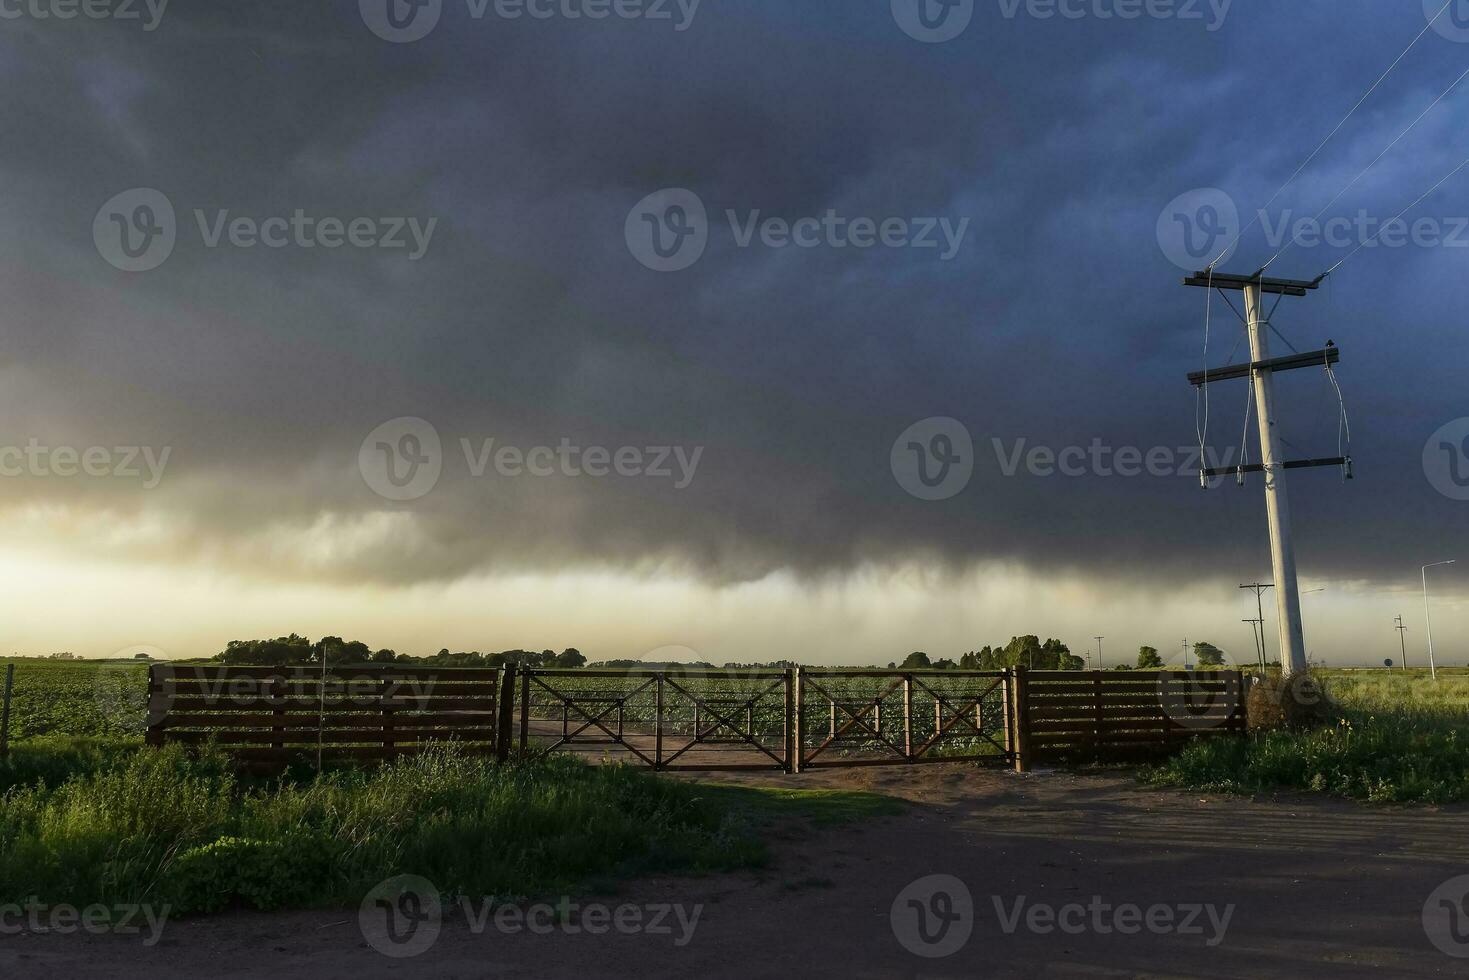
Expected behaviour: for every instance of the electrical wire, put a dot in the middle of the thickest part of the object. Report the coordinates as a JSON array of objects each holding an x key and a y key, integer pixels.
[
  {"x": 1203, "y": 431},
  {"x": 1339, "y": 194},
  {"x": 1344, "y": 426},
  {"x": 1405, "y": 210},
  {"x": 1332, "y": 134}
]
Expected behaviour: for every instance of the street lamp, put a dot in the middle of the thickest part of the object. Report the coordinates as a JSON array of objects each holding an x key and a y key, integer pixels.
[{"x": 1428, "y": 614}]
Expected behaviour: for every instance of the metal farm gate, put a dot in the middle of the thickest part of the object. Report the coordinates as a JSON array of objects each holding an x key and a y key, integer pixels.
[{"x": 784, "y": 720}]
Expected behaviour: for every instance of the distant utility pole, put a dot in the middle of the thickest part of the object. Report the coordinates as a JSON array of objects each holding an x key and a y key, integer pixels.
[
  {"x": 1099, "y": 640},
  {"x": 1255, "y": 627},
  {"x": 1403, "y": 640},
  {"x": 1185, "y": 655},
  {"x": 1261, "y": 371},
  {"x": 1259, "y": 588},
  {"x": 1428, "y": 614}
]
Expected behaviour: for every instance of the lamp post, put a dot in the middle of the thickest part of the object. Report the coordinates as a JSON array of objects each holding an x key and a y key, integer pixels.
[{"x": 1428, "y": 614}]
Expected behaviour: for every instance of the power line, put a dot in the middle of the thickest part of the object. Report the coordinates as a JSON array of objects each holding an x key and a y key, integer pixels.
[
  {"x": 1294, "y": 238},
  {"x": 1446, "y": 178},
  {"x": 1332, "y": 134}
]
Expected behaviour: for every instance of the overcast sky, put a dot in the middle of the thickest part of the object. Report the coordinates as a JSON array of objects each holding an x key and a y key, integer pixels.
[{"x": 276, "y": 273}]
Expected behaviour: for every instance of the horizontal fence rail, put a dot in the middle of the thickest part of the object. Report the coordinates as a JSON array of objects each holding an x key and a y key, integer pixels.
[{"x": 278, "y": 715}]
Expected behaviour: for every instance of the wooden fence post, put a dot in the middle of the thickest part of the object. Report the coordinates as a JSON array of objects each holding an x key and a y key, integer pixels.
[
  {"x": 1022, "y": 722},
  {"x": 908, "y": 717},
  {"x": 1006, "y": 714},
  {"x": 505, "y": 715},
  {"x": 525, "y": 711},
  {"x": 792, "y": 764},
  {"x": 5, "y": 711},
  {"x": 658, "y": 724},
  {"x": 385, "y": 701},
  {"x": 278, "y": 731},
  {"x": 798, "y": 739},
  {"x": 158, "y": 704}
]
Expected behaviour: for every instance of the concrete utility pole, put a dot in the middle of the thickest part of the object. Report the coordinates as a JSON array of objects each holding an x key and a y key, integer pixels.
[
  {"x": 1099, "y": 640},
  {"x": 1261, "y": 371},
  {"x": 1277, "y": 503},
  {"x": 1403, "y": 640},
  {"x": 1428, "y": 614}
]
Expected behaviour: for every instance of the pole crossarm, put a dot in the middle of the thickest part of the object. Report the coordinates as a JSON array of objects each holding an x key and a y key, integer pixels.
[
  {"x": 1326, "y": 356},
  {"x": 1219, "y": 280},
  {"x": 1292, "y": 464}
]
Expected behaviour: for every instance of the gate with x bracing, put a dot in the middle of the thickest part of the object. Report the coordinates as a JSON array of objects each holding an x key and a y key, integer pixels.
[
  {"x": 787, "y": 720},
  {"x": 665, "y": 719},
  {"x": 890, "y": 717}
]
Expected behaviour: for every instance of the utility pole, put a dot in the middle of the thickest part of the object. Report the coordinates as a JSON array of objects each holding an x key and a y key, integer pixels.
[
  {"x": 1255, "y": 627},
  {"x": 1186, "y": 665},
  {"x": 1261, "y": 372},
  {"x": 1428, "y": 615},
  {"x": 1403, "y": 640},
  {"x": 1259, "y": 620},
  {"x": 1099, "y": 640}
]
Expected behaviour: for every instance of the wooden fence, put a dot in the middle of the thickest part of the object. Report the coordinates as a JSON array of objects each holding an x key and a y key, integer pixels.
[
  {"x": 272, "y": 716},
  {"x": 787, "y": 720},
  {"x": 1106, "y": 714}
]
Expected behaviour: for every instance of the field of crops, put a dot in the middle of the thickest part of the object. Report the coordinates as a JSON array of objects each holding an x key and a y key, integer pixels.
[{"x": 95, "y": 698}]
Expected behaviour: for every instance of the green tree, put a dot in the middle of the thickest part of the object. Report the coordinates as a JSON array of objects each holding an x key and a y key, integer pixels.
[
  {"x": 918, "y": 660},
  {"x": 1148, "y": 659},
  {"x": 570, "y": 657},
  {"x": 1208, "y": 655}
]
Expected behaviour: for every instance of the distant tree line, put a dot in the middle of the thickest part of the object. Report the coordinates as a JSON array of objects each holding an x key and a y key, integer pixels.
[
  {"x": 1028, "y": 651},
  {"x": 1021, "y": 651},
  {"x": 297, "y": 650}
]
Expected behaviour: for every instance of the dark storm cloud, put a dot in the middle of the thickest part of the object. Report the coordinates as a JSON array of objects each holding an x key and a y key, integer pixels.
[{"x": 1059, "y": 321}]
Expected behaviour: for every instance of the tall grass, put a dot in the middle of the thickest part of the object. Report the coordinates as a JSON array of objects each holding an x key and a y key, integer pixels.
[
  {"x": 170, "y": 827},
  {"x": 1395, "y": 738}
]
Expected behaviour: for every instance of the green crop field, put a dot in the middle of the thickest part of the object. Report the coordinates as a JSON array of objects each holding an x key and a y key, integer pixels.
[{"x": 92, "y": 698}]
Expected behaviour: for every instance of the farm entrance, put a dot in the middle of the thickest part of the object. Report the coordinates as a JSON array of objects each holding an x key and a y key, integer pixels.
[{"x": 786, "y": 720}]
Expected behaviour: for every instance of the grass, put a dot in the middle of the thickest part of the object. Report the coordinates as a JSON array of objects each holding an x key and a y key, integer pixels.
[
  {"x": 1396, "y": 738},
  {"x": 98, "y": 822}
]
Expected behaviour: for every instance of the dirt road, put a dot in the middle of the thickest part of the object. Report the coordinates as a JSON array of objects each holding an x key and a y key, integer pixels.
[{"x": 1067, "y": 875}]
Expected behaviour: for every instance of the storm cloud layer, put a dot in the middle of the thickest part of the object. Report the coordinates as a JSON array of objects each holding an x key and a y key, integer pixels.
[{"x": 263, "y": 355}]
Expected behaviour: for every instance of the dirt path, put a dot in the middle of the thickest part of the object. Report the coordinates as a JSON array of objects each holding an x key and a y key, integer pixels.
[{"x": 1317, "y": 888}]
